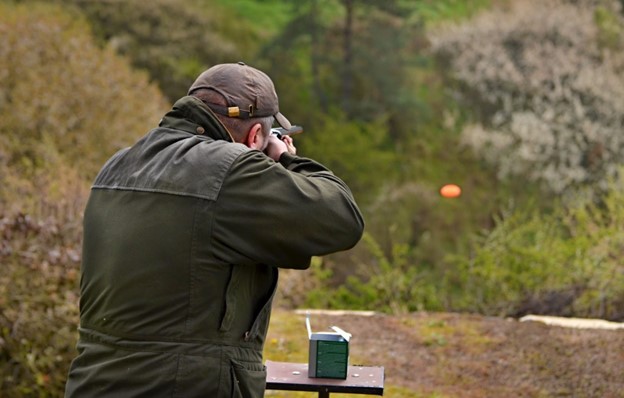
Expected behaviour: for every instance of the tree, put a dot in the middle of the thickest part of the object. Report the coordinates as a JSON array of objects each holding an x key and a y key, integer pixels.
[
  {"x": 174, "y": 40},
  {"x": 359, "y": 58}
]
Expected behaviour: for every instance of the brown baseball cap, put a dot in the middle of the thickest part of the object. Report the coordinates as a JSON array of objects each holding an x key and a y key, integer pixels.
[{"x": 248, "y": 92}]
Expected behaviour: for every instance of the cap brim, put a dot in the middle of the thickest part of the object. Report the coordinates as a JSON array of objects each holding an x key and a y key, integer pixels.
[{"x": 282, "y": 121}]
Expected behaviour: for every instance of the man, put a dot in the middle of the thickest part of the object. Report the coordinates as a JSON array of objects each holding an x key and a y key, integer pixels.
[{"x": 183, "y": 236}]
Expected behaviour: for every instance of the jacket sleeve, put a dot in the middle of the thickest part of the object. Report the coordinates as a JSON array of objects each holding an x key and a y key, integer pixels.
[{"x": 283, "y": 213}]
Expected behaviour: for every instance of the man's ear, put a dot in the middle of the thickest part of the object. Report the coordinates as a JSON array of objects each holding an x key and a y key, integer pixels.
[{"x": 254, "y": 137}]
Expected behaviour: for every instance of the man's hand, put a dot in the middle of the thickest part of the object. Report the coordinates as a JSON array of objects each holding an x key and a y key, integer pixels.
[{"x": 276, "y": 147}]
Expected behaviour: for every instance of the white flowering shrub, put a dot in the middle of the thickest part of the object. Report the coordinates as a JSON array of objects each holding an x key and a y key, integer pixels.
[{"x": 545, "y": 81}]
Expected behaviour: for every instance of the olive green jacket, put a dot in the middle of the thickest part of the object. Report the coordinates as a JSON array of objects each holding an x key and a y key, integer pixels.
[{"x": 183, "y": 236}]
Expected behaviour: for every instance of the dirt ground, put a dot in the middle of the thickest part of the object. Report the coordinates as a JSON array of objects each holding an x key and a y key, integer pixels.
[{"x": 461, "y": 355}]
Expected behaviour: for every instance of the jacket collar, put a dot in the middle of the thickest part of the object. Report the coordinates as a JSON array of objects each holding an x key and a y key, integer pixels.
[{"x": 191, "y": 115}]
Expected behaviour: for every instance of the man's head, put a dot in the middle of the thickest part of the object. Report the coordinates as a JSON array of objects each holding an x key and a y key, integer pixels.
[{"x": 243, "y": 98}]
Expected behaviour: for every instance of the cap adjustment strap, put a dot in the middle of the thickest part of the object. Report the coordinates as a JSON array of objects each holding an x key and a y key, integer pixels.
[{"x": 235, "y": 111}]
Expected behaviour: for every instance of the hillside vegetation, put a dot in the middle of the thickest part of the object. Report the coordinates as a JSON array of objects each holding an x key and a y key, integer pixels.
[
  {"x": 66, "y": 105},
  {"x": 518, "y": 104}
]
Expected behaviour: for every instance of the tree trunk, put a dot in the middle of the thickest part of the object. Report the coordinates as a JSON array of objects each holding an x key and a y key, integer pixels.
[
  {"x": 347, "y": 75},
  {"x": 315, "y": 57}
]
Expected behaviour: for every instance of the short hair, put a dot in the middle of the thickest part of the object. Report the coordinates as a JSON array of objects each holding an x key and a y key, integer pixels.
[{"x": 237, "y": 127}]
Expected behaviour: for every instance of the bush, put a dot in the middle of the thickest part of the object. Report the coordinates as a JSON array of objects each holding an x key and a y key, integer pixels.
[
  {"x": 38, "y": 304},
  {"x": 387, "y": 283},
  {"x": 173, "y": 40},
  {"x": 565, "y": 263},
  {"x": 356, "y": 152},
  {"x": 65, "y": 107},
  {"x": 546, "y": 84},
  {"x": 62, "y": 99}
]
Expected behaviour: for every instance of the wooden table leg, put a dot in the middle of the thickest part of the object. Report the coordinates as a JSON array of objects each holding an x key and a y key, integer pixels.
[{"x": 324, "y": 394}]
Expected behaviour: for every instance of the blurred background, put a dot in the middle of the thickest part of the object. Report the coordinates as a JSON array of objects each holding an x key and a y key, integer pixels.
[{"x": 519, "y": 102}]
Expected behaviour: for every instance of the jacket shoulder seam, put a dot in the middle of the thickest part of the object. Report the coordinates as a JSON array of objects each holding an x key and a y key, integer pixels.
[{"x": 152, "y": 190}]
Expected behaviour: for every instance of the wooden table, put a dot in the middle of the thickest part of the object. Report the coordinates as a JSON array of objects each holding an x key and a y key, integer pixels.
[{"x": 294, "y": 377}]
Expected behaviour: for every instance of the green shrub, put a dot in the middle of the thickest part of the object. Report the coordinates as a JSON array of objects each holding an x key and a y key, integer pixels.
[
  {"x": 391, "y": 284},
  {"x": 356, "y": 152},
  {"x": 565, "y": 263},
  {"x": 523, "y": 254}
]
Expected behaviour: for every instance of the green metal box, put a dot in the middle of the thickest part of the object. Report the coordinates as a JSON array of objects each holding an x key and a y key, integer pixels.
[
  {"x": 329, "y": 356},
  {"x": 328, "y": 353}
]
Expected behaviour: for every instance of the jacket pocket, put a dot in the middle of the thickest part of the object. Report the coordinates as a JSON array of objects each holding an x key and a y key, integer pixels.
[
  {"x": 230, "y": 299},
  {"x": 248, "y": 379}
]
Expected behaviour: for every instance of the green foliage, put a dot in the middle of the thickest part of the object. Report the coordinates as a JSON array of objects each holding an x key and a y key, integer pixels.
[
  {"x": 356, "y": 152},
  {"x": 561, "y": 263},
  {"x": 610, "y": 28},
  {"x": 566, "y": 262},
  {"x": 391, "y": 284},
  {"x": 521, "y": 255},
  {"x": 437, "y": 11},
  {"x": 363, "y": 70},
  {"x": 271, "y": 15}
]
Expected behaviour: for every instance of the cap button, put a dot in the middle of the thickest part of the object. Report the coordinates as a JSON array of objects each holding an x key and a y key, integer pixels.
[
  {"x": 200, "y": 130},
  {"x": 241, "y": 63}
]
